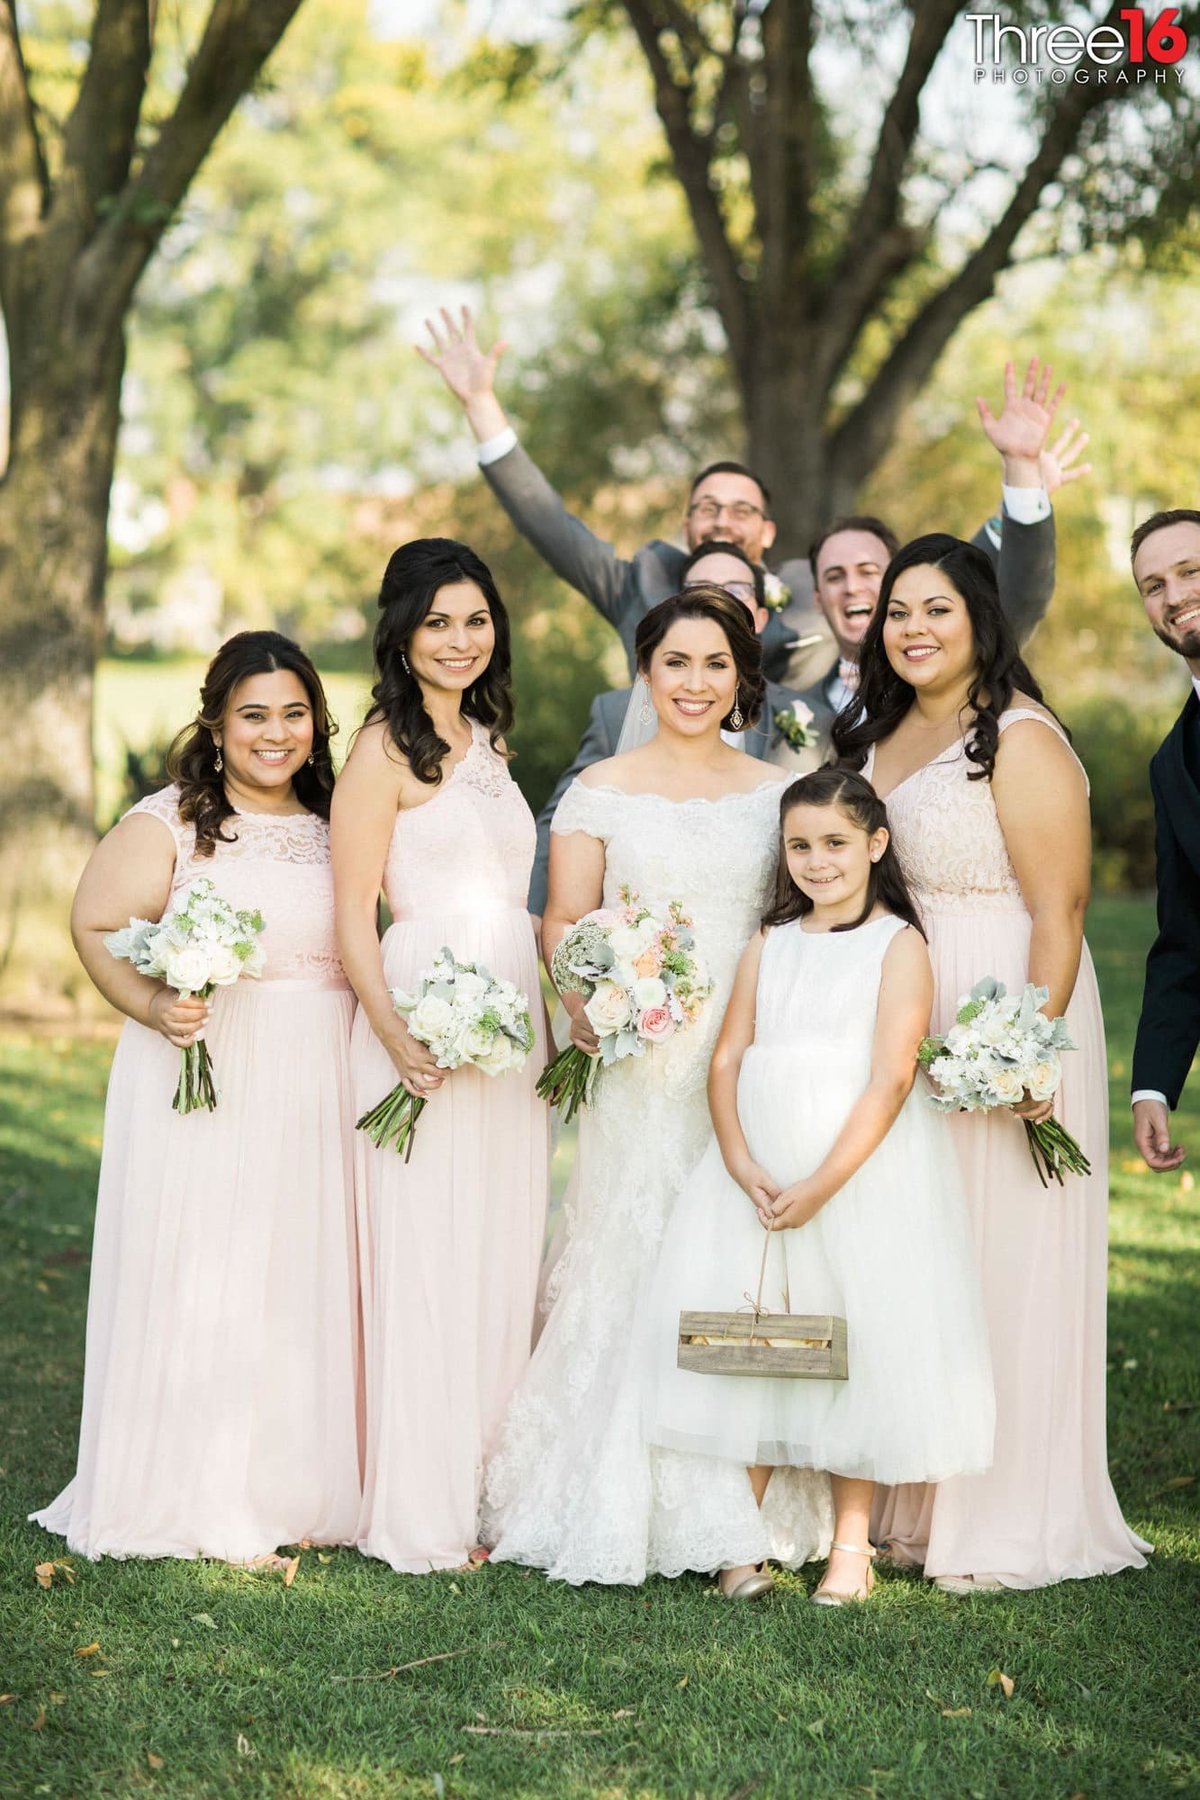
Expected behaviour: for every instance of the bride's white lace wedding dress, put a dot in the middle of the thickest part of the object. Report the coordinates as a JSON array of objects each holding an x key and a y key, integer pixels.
[{"x": 572, "y": 1488}]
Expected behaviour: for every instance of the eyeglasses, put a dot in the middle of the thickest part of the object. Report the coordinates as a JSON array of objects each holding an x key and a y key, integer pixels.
[
  {"x": 737, "y": 590},
  {"x": 740, "y": 511}
]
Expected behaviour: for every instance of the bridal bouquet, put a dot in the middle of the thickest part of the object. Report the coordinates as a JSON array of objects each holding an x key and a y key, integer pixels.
[
  {"x": 1000, "y": 1047},
  {"x": 643, "y": 981},
  {"x": 464, "y": 1014},
  {"x": 203, "y": 944}
]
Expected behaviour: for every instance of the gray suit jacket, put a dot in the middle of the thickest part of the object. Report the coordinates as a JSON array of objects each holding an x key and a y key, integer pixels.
[
  {"x": 624, "y": 591},
  {"x": 600, "y": 740}
]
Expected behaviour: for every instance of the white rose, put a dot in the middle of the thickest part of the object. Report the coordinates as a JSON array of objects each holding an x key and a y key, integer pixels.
[
  {"x": 186, "y": 969},
  {"x": 647, "y": 992},
  {"x": 608, "y": 1008},
  {"x": 628, "y": 941},
  {"x": 1006, "y": 1086},
  {"x": 468, "y": 986},
  {"x": 476, "y": 1041},
  {"x": 622, "y": 974},
  {"x": 1043, "y": 1079},
  {"x": 430, "y": 1017},
  {"x": 502, "y": 1056},
  {"x": 224, "y": 966}
]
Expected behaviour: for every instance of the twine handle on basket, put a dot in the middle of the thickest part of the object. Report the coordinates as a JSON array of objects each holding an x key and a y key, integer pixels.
[{"x": 756, "y": 1304}]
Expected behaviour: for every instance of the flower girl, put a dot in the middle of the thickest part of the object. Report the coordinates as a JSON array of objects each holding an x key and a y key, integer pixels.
[{"x": 821, "y": 1140}]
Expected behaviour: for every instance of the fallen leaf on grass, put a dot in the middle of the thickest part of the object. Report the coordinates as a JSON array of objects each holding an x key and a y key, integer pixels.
[
  {"x": 956, "y": 1712},
  {"x": 1177, "y": 1481},
  {"x": 155, "y": 1762},
  {"x": 44, "y": 1573},
  {"x": 205, "y": 1619},
  {"x": 459, "y": 1756},
  {"x": 289, "y": 1573},
  {"x": 626, "y": 1712},
  {"x": 682, "y": 1684},
  {"x": 322, "y": 1558},
  {"x": 99, "y": 1671},
  {"x": 40, "y": 1722},
  {"x": 7, "y": 1699},
  {"x": 56, "y": 1699},
  {"x": 997, "y": 1678},
  {"x": 88, "y": 1649},
  {"x": 244, "y": 1746}
]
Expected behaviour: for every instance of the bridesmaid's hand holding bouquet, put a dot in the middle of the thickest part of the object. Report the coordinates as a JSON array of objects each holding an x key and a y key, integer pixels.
[
  {"x": 465, "y": 1015},
  {"x": 1001, "y": 1051},
  {"x": 642, "y": 981},
  {"x": 203, "y": 944}
]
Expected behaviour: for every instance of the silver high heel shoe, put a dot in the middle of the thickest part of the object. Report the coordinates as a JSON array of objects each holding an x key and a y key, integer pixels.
[
  {"x": 822, "y": 1598},
  {"x": 760, "y": 1581}
]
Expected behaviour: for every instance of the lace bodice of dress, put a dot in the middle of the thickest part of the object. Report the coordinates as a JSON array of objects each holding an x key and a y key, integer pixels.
[
  {"x": 466, "y": 851},
  {"x": 279, "y": 865},
  {"x": 716, "y": 857},
  {"x": 947, "y": 832}
]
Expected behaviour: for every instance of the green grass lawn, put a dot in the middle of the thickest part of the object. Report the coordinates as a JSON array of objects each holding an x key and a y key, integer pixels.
[{"x": 357, "y": 1684}]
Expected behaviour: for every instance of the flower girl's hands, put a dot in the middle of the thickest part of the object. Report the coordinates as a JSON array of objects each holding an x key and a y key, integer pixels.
[
  {"x": 795, "y": 1206},
  {"x": 181, "y": 1018},
  {"x": 414, "y": 1062},
  {"x": 760, "y": 1188}
]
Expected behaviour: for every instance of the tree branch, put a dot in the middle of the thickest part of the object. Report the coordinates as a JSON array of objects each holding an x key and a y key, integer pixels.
[
  {"x": 692, "y": 157},
  {"x": 101, "y": 132},
  {"x": 859, "y": 442},
  {"x": 24, "y": 183},
  {"x": 877, "y": 246}
]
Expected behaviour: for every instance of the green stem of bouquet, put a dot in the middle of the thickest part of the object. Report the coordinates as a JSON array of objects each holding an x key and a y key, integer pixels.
[
  {"x": 567, "y": 1082},
  {"x": 394, "y": 1120},
  {"x": 197, "y": 1084},
  {"x": 1054, "y": 1151}
]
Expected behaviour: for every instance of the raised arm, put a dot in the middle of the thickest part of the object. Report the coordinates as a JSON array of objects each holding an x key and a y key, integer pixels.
[
  {"x": 735, "y": 1037},
  {"x": 128, "y": 876},
  {"x": 905, "y": 1003},
  {"x": 582, "y": 559},
  {"x": 365, "y": 802},
  {"x": 1025, "y": 556}
]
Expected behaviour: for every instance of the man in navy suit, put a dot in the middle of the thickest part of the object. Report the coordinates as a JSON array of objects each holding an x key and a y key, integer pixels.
[{"x": 1166, "y": 567}]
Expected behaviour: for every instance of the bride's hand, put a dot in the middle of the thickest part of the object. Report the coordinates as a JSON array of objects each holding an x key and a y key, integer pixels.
[
  {"x": 582, "y": 1034},
  {"x": 414, "y": 1062},
  {"x": 760, "y": 1188}
]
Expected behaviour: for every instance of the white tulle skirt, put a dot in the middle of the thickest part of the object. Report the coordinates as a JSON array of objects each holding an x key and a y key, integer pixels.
[{"x": 891, "y": 1253}]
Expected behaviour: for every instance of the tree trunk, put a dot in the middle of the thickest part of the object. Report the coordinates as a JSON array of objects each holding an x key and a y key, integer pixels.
[
  {"x": 53, "y": 561},
  {"x": 785, "y": 411}
]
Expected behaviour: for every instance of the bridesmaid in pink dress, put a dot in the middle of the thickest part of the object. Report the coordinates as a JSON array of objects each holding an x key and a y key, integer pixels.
[
  {"x": 988, "y": 807},
  {"x": 450, "y": 1240},
  {"x": 219, "y": 1393}
]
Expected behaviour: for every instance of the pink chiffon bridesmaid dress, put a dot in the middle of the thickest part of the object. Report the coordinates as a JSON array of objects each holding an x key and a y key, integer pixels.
[
  {"x": 220, "y": 1381},
  {"x": 1046, "y": 1510},
  {"x": 451, "y": 1240}
]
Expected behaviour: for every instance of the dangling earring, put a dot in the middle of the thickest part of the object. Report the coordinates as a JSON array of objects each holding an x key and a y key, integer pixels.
[
  {"x": 220, "y": 762},
  {"x": 736, "y": 720},
  {"x": 647, "y": 712},
  {"x": 311, "y": 759},
  {"x": 404, "y": 663}
]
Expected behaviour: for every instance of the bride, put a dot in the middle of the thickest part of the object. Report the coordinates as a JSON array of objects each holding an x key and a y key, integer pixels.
[{"x": 685, "y": 816}]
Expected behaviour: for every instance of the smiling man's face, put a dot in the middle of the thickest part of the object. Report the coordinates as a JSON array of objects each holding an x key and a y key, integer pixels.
[
  {"x": 1167, "y": 571},
  {"x": 850, "y": 567}
]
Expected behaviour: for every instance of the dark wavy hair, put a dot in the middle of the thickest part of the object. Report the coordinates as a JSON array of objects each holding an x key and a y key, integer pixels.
[
  {"x": 884, "y": 697},
  {"x": 192, "y": 757},
  {"x": 411, "y": 583},
  {"x": 718, "y": 547},
  {"x": 705, "y": 601},
  {"x": 856, "y": 800}
]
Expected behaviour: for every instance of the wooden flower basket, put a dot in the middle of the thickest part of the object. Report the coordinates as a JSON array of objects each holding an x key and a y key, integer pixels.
[
  {"x": 811, "y": 1345},
  {"x": 754, "y": 1341}
]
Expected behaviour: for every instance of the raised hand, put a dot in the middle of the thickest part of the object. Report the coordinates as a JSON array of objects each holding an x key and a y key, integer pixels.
[
  {"x": 467, "y": 369},
  {"x": 1059, "y": 462},
  {"x": 1020, "y": 433}
]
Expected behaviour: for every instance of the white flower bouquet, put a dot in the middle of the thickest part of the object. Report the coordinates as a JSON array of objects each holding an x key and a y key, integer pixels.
[
  {"x": 465, "y": 1015},
  {"x": 201, "y": 945},
  {"x": 1000, "y": 1048},
  {"x": 643, "y": 981}
]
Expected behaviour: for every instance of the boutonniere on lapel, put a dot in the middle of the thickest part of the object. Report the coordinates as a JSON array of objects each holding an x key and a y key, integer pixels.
[
  {"x": 776, "y": 593},
  {"x": 794, "y": 723}
]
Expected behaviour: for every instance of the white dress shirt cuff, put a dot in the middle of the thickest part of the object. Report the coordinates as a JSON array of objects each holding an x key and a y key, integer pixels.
[
  {"x": 1025, "y": 505},
  {"x": 493, "y": 448},
  {"x": 1147, "y": 1094}
]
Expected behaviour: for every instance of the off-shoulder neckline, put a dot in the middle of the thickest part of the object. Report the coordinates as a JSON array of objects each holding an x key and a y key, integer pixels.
[{"x": 607, "y": 787}]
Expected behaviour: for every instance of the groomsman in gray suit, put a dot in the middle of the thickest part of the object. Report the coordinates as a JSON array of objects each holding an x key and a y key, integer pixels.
[
  {"x": 717, "y": 564},
  {"x": 727, "y": 501}
]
